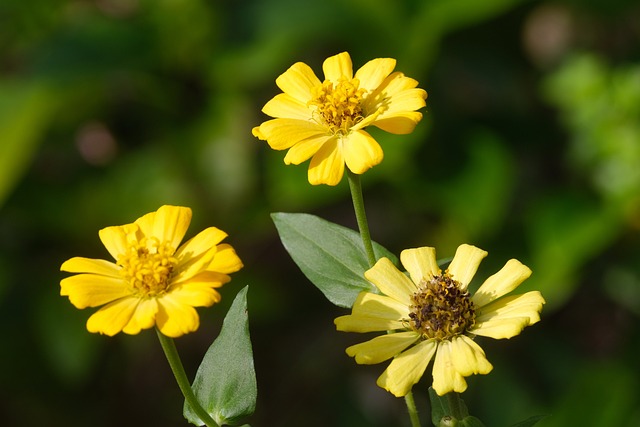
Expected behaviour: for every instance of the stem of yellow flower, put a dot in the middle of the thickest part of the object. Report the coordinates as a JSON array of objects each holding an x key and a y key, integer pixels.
[
  {"x": 169, "y": 347},
  {"x": 358, "y": 206},
  {"x": 361, "y": 216},
  {"x": 413, "y": 411}
]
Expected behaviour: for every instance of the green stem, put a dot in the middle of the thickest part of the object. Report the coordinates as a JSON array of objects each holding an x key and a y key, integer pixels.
[
  {"x": 169, "y": 347},
  {"x": 413, "y": 411},
  {"x": 455, "y": 405},
  {"x": 361, "y": 216}
]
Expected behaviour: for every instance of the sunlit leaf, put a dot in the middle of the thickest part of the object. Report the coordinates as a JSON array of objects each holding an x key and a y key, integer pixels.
[
  {"x": 331, "y": 256},
  {"x": 225, "y": 383}
]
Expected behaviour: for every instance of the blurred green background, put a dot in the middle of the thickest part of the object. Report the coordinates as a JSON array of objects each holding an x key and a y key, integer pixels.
[{"x": 530, "y": 148}]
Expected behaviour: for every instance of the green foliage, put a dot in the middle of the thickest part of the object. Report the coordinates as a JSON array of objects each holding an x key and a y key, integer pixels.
[
  {"x": 331, "y": 256},
  {"x": 487, "y": 180},
  {"x": 534, "y": 163},
  {"x": 444, "y": 415},
  {"x": 25, "y": 111},
  {"x": 531, "y": 421},
  {"x": 225, "y": 383},
  {"x": 566, "y": 231},
  {"x": 601, "y": 106},
  {"x": 439, "y": 407},
  {"x": 598, "y": 395}
]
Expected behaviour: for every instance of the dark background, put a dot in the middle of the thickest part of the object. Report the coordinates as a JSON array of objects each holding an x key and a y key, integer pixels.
[{"x": 530, "y": 148}]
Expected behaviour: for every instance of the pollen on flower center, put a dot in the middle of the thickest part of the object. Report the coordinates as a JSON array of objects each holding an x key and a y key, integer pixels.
[
  {"x": 147, "y": 266},
  {"x": 339, "y": 107},
  {"x": 440, "y": 309}
]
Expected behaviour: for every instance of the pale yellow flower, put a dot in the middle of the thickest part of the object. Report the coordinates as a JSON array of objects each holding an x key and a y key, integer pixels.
[
  {"x": 325, "y": 120},
  {"x": 153, "y": 281},
  {"x": 433, "y": 316}
]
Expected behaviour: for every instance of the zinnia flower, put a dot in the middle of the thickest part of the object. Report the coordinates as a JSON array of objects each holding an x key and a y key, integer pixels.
[
  {"x": 325, "y": 120},
  {"x": 153, "y": 281},
  {"x": 433, "y": 316}
]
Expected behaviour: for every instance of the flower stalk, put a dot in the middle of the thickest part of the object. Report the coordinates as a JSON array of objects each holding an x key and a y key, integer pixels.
[
  {"x": 413, "y": 411},
  {"x": 169, "y": 347},
  {"x": 361, "y": 217}
]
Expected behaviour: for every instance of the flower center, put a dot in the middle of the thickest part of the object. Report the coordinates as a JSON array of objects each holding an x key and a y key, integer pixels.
[
  {"x": 340, "y": 106},
  {"x": 147, "y": 266},
  {"x": 440, "y": 309}
]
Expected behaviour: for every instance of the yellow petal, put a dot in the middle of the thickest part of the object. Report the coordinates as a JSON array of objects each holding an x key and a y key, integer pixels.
[
  {"x": 284, "y": 133},
  {"x": 196, "y": 295},
  {"x": 225, "y": 260},
  {"x": 445, "y": 377},
  {"x": 92, "y": 290},
  {"x": 368, "y": 304},
  {"x": 298, "y": 82},
  {"x": 115, "y": 240},
  {"x": 175, "y": 319},
  {"x": 382, "y": 348},
  {"x": 504, "y": 281},
  {"x": 171, "y": 224},
  {"x": 391, "y": 281},
  {"x": 145, "y": 225},
  {"x": 304, "y": 150},
  {"x": 407, "y": 368},
  {"x": 287, "y": 107},
  {"x": 197, "y": 253},
  {"x": 369, "y": 119},
  {"x": 338, "y": 66},
  {"x": 398, "y": 123},
  {"x": 373, "y": 73},
  {"x": 420, "y": 263},
  {"x": 327, "y": 165},
  {"x": 465, "y": 264},
  {"x": 528, "y": 305},
  {"x": 362, "y": 324},
  {"x": 112, "y": 318},
  {"x": 404, "y": 101},
  {"x": 211, "y": 278},
  {"x": 258, "y": 133},
  {"x": 88, "y": 265},
  {"x": 506, "y": 317},
  {"x": 361, "y": 152},
  {"x": 185, "y": 271},
  {"x": 501, "y": 328},
  {"x": 468, "y": 357},
  {"x": 144, "y": 317},
  {"x": 201, "y": 243},
  {"x": 372, "y": 312},
  {"x": 394, "y": 84}
]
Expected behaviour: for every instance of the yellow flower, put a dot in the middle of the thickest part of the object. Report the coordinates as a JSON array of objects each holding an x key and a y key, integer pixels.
[
  {"x": 153, "y": 281},
  {"x": 433, "y": 315},
  {"x": 325, "y": 121}
]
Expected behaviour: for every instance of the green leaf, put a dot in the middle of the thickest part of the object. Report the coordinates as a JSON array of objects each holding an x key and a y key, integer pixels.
[
  {"x": 439, "y": 406},
  {"x": 530, "y": 421},
  {"x": 225, "y": 383},
  {"x": 332, "y": 257},
  {"x": 442, "y": 413},
  {"x": 25, "y": 111},
  {"x": 471, "y": 422}
]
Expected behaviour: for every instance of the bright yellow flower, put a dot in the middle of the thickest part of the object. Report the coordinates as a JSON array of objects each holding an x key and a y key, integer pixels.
[
  {"x": 325, "y": 121},
  {"x": 153, "y": 281},
  {"x": 433, "y": 315}
]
